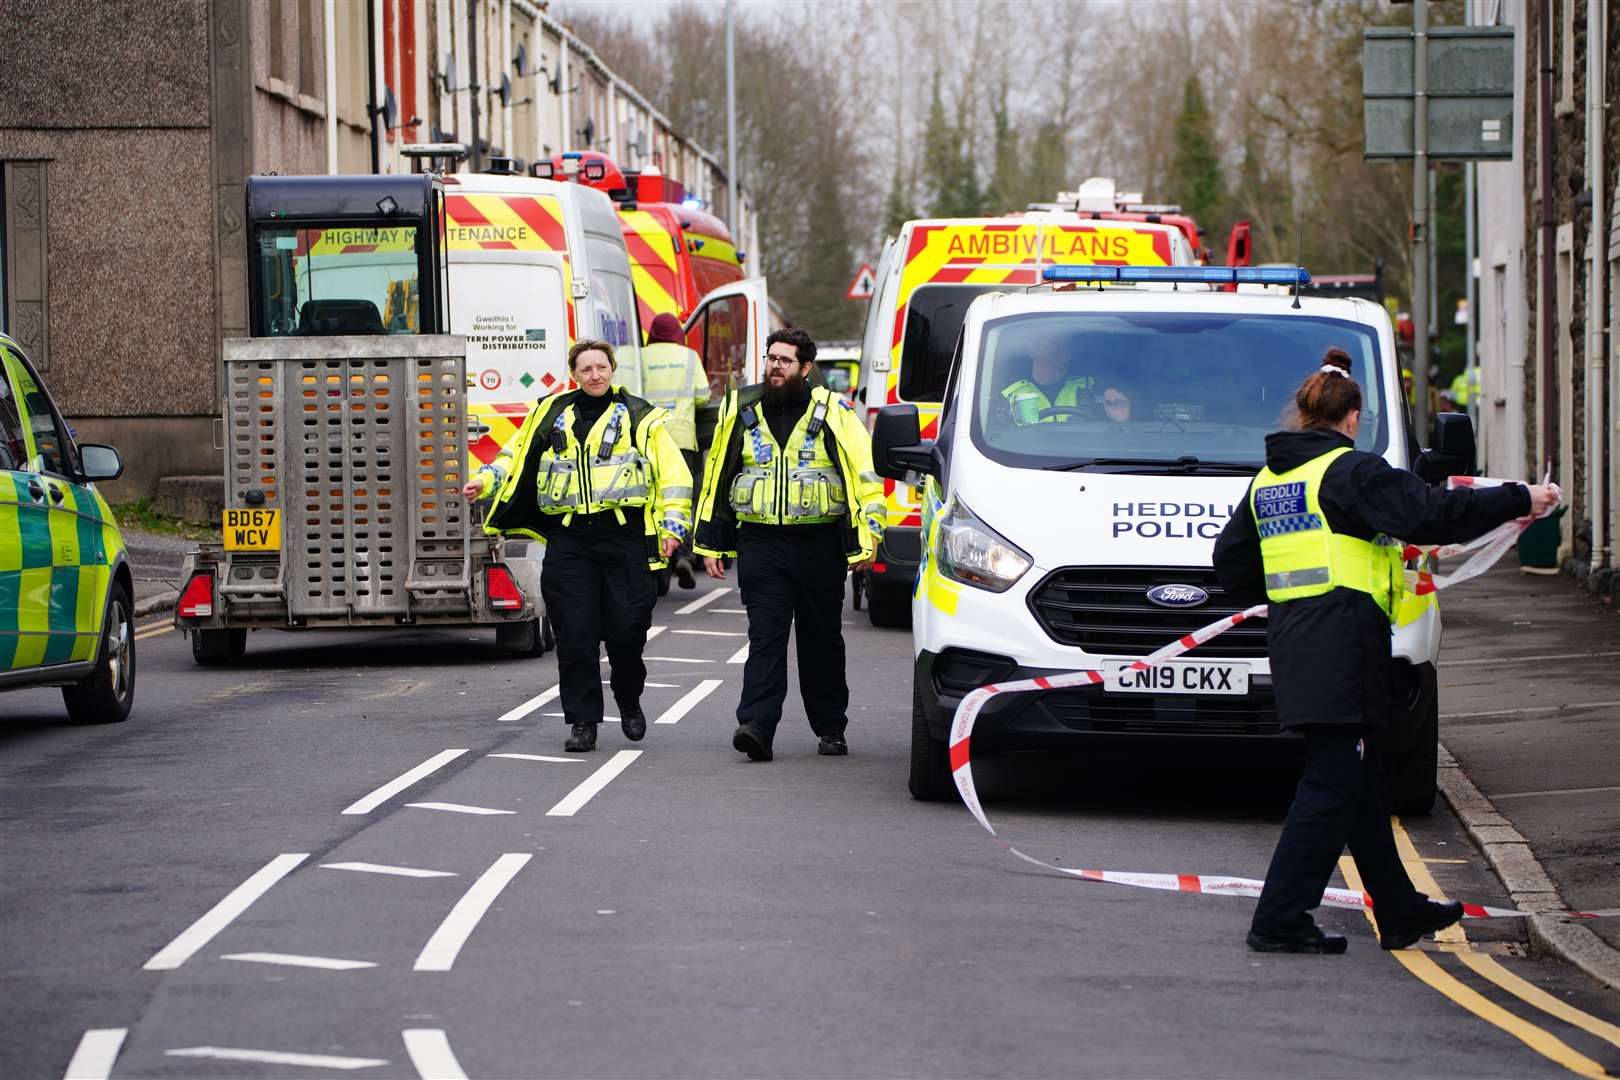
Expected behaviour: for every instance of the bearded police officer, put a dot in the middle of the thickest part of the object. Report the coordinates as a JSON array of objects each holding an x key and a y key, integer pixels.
[
  {"x": 1310, "y": 538},
  {"x": 789, "y": 489},
  {"x": 594, "y": 475},
  {"x": 672, "y": 378}
]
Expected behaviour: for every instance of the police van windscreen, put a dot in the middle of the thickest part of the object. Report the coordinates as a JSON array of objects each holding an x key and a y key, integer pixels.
[
  {"x": 1152, "y": 391},
  {"x": 345, "y": 280},
  {"x": 934, "y": 315}
]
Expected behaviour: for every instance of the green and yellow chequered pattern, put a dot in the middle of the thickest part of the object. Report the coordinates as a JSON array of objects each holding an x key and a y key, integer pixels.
[{"x": 55, "y": 569}]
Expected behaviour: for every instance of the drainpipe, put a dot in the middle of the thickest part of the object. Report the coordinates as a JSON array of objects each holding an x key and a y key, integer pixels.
[
  {"x": 1598, "y": 448},
  {"x": 373, "y": 109},
  {"x": 1549, "y": 238},
  {"x": 474, "y": 88},
  {"x": 330, "y": 18}
]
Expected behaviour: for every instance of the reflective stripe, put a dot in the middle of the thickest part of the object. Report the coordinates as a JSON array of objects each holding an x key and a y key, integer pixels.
[
  {"x": 1294, "y": 579},
  {"x": 677, "y": 493}
]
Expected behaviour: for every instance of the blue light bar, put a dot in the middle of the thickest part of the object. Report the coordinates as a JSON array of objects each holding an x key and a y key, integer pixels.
[{"x": 1181, "y": 275}]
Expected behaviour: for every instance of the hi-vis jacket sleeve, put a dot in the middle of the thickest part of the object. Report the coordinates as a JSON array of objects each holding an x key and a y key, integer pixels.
[
  {"x": 716, "y": 531},
  {"x": 866, "y": 502},
  {"x": 493, "y": 475},
  {"x": 673, "y": 502}
]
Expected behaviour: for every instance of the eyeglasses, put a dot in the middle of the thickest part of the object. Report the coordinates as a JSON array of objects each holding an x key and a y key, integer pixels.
[{"x": 773, "y": 360}]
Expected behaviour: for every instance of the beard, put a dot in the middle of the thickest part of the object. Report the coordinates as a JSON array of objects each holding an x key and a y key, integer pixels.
[{"x": 794, "y": 389}]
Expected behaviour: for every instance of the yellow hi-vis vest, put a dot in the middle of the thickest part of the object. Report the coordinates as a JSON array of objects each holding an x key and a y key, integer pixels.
[
  {"x": 1302, "y": 556},
  {"x": 1028, "y": 400},
  {"x": 802, "y": 486},
  {"x": 672, "y": 378}
]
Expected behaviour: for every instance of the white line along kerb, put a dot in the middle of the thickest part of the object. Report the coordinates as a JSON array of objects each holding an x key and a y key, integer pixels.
[
  {"x": 692, "y": 697},
  {"x": 587, "y": 789},
  {"x": 529, "y": 706},
  {"x": 430, "y": 1052},
  {"x": 439, "y": 954},
  {"x": 403, "y": 781},
  {"x": 222, "y": 914},
  {"x": 703, "y": 601},
  {"x": 97, "y": 1050}
]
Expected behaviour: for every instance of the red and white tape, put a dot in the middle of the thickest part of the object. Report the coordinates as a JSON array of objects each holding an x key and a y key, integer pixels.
[{"x": 1486, "y": 550}]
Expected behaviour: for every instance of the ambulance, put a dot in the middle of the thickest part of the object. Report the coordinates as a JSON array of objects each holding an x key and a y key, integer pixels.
[
  {"x": 926, "y": 279},
  {"x": 1082, "y": 539},
  {"x": 683, "y": 263}
]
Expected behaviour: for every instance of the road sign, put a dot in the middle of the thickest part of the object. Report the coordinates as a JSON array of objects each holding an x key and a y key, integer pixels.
[
  {"x": 1469, "y": 92},
  {"x": 865, "y": 283}
]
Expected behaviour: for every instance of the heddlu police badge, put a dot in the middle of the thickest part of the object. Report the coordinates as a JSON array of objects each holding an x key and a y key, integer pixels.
[{"x": 1279, "y": 509}]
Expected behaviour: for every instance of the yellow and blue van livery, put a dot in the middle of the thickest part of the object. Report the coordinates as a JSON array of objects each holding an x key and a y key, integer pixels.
[{"x": 66, "y": 610}]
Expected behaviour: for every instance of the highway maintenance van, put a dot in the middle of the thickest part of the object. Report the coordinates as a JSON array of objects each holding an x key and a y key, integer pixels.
[
  {"x": 926, "y": 278},
  {"x": 680, "y": 256},
  {"x": 1080, "y": 537},
  {"x": 346, "y": 432},
  {"x": 535, "y": 265}
]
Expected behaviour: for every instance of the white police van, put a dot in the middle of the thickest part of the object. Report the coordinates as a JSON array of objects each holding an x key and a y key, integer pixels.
[{"x": 1083, "y": 540}]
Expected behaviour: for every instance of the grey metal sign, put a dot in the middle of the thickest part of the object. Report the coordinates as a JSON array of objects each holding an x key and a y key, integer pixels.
[{"x": 1470, "y": 94}]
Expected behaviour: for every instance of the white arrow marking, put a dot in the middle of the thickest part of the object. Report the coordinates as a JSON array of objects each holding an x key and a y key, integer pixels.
[{"x": 440, "y": 952}]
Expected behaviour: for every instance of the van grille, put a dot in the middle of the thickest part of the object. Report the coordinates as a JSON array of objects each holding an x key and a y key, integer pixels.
[
  {"x": 1139, "y": 714},
  {"x": 1105, "y": 610}
]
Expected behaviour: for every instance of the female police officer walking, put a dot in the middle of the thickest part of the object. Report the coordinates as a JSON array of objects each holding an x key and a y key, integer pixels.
[
  {"x": 594, "y": 475},
  {"x": 1307, "y": 538}
]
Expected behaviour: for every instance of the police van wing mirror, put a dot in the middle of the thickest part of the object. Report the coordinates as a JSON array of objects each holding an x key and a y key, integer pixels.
[
  {"x": 896, "y": 449},
  {"x": 1452, "y": 450},
  {"x": 99, "y": 462}
]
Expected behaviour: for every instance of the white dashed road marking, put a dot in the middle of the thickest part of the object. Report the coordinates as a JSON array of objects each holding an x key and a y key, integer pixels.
[
  {"x": 1494, "y": 660},
  {"x": 740, "y": 656},
  {"x": 1571, "y": 707},
  {"x": 457, "y": 808},
  {"x": 370, "y": 802},
  {"x": 593, "y": 783},
  {"x": 542, "y": 757},
  {"x": 380, "y": 868},
  {"x": 703, "y": 601},
  {"x": 692, "y": 697},
  {"x": 439, "y": 954},
  {"x": 679, "y": 660},
  {"x": 277, "y": 1057},
  {"x": 430, "y": 1052},
  {"x": 222, "y": 914},
  {"x": 714, "y": 633},
  {"x": 529, "y": 706},
  {"x": 654, "y": 631},
  {"x": 98, "y": 1049},
  {"x": 324, "y": 963}
]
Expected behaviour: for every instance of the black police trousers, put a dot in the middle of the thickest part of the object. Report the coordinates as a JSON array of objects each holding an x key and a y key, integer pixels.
[
  {"x": 598, "y": 590},
  {"x": 792, "y": 577},
  {"x": 1336, "y": 804}
]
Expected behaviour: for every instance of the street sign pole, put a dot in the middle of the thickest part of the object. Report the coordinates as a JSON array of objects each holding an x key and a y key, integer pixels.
[{"x": 1420, "y": 218}]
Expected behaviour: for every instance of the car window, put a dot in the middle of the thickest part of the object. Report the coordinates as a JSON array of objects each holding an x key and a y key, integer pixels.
[
  {"x": 13, "y": 447},
  {"x": 52, "y": 449}
]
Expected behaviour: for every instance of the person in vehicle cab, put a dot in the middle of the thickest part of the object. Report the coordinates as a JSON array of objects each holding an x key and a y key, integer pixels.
[
  {"x": 673, "y": 378},
  {"x": 1310, "y": 540},
  {"x": 789, "y": 490},
  {"x": 1049, "y": 385},
  {"x": 594, "y": 474}
]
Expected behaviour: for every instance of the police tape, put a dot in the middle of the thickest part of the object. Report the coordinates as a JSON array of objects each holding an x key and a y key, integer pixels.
[{"x": 1484, "y": 551}]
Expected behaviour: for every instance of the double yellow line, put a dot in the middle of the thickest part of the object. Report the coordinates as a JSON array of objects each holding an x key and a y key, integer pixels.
[
  {"x": 153, "y": 631},
  {"x": 1455, "y": 940}
]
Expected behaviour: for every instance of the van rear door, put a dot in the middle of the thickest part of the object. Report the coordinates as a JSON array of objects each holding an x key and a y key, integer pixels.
[{"x": 728, "y": 330}]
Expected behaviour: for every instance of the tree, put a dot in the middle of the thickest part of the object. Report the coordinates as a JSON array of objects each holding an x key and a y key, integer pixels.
[
  {"x": 820, "y": 304},
  {"x": 1195, "y": 166},
  {"x": 1006, "y": 189},
  {"x": 898, "y": 208},
  {"x": 947, "y": 166},
  {"x": 1046, "y": 170}
]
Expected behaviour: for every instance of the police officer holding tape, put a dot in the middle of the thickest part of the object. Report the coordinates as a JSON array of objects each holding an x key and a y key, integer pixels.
[
  {"x": 594, "y": 475},
  {"x": 1310, "y": 539},
  {"x": 789, "y": 489}
]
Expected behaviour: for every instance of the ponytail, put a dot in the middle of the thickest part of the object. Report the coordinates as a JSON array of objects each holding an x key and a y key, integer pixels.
[{"x": 1330, "y": 394}]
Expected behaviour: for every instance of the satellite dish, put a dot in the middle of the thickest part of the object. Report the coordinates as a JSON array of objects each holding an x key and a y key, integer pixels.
[
  {"x": 521, "y": 60},
  {"x": 588, "y": 132},
  {"x": 450, "y": 73},
  {"x": 506, "y": 90},
  {"x": 390, "y": 109}
]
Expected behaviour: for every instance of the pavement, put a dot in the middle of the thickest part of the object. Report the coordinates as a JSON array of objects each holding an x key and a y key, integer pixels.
[
  {"x": 365, "y": 854},
  {"x": 155, "y": 562},
  {"x": 1530, "y": 711}
]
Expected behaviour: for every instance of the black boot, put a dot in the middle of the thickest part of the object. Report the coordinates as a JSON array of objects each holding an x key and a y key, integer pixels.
[
  {"x": 1428, "y": 917},
  {"x": 832, "y": 746},
  {"x": 745, "y": 740},
  {"x": 581, "y": 739},
  {"x": 683, "y": 572},
  {"x": 633, "y": 722},
  {"x": 1297, "y": 941}
]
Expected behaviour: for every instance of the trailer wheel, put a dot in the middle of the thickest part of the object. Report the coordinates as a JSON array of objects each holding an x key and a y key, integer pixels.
[
  {"x": 524, "y": 639},
  {"x": 213, "y": 647}
]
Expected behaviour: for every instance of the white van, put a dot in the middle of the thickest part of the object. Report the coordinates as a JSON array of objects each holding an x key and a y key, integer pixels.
[
  {"x": 926, "y": 278},
  {"x": 1086, "y": 541},
  {"x": 534, "y": 266}
]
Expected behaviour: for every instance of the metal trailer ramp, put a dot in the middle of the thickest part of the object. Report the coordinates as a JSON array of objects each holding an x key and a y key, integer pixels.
[{"x": 361, "y": 442}]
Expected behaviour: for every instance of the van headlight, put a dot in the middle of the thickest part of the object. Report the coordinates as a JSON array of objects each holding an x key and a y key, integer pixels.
[{"x": 972, "y": 552}]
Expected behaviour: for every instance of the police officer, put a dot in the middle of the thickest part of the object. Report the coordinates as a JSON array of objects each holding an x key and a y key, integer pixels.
[
  {"x": 672, "y": 377},
  {"x": 1310, "y": 539},
  {"x": 1049, "y": 385},
  {"x": 789, "y": 489},
  {"x": 594, "y": 475}
]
